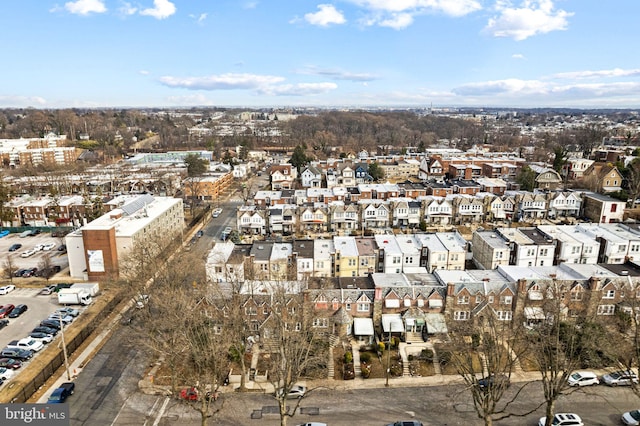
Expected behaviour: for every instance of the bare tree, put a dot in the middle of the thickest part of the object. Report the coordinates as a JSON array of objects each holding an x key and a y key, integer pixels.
[
  {"x": 8, "y": 268},
  {"x": 485, "y": 357},
  {"x": 45, "y": 265},
  {"x": 295, "y": 346}
]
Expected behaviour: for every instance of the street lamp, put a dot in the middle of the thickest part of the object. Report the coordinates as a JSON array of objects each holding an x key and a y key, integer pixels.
[
  {"x": 64, "y": 347},
  {"x": 386, "y": 383}
]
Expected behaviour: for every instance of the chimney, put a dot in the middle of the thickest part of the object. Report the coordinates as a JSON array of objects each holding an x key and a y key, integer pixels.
[{"x": 451, "y": 289}]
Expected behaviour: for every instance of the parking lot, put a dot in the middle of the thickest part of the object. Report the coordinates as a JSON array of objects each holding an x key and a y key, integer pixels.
[
  {"x": 39, "y": 307},
  {"x": 17, "y": 261}
]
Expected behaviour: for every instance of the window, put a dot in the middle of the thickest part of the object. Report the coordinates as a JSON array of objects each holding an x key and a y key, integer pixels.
[
  {"x": 478, "y": 299},
  {"x": 463, "y": 300},
  {"x": 504, "y": 315},
  {"x": 506, "y": 300},
  {"x": 363, "y": 307},
  {"x": 609, "y": 294},
  {"x": 320, "y": 322},
  {"x": 250, "y": 310},
  {"x": 576, "y": 296},
  {"x": 347, "y": 306},
  {"x": 614, "y": 208},
  {"x": 491, "y": 299},
  {"x": 407, "y": 302},
  {"x": 606, "y": 309},
  {"x": 461, "y": 315}
]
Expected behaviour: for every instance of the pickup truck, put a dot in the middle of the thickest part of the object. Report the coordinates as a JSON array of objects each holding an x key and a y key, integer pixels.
[
  {"x": 60, "y": 395},
  {"x": 28, "y": 343}
]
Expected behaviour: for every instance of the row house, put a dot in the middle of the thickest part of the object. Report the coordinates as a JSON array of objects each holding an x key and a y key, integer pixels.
[
  {"x": 343, "y": 217},
  {"x": 367, "y": 255},
  {"x": 313, "y": 218},
  {"x": 495, "y": 170},
  {"x": 493, "y": 186},
  {"x": 283, "y": 176},
  {"x": 474, "y": 298},
  {"x": 379, "y": 191},
  {"x": 465, "y": 187},
  {"x": 564, "y": 204},
  {"x": 282, "y": 219},
  {"x": 346, "y": 176},
  {"x": 602, "y": 208},
  {"x": 405, "y": 213},
  {"x": 618, "y": 243},
  {"x": 412, "y": 189},
  {"x": 499, "y": 208},
  {"x": 574, "y": 168},
  {"x": 602, "y": 178},
  {"x": 467, "y": 209},
  {"x": 375, "y": 214},
  {"x": 268, "y": 198},
  {"x": 437, "y": 211},
  {"x": 528, "y": 246},
  {"x": 302, "y": 252},
  {"x": 489, "y": 250},
  {"x": 571, "y": 246},
  {"x": 439, "y": 189},
  {"x": 251, "y": 220},
  {"x": 530, "y": 206},
  {"x": 346, "y": 257}
]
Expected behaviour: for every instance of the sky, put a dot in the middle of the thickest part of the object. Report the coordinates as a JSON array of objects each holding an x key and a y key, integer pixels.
[{"x": 301, "y": 53}]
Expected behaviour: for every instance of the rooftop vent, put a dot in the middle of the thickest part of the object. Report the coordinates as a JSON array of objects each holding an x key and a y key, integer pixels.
[
  {"x": 625, "y": 272},
  {"x": 260, "y": 247}
]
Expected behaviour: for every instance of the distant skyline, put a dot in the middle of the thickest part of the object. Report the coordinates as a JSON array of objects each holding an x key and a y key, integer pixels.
[{"x": 276, "y": 53}]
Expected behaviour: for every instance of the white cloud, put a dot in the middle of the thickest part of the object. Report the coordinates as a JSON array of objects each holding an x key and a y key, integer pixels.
[
  {"x": 144, "y": 72},
  {"x": 326, "y": 16},
  {"x": 127, "y": 9},
  {"x": 21, "y": 101},
  {"x": 161, "y": 9},
  {"x": 448, "y": 7},
  {"x": 300, "y": 89},
  {"x": 397, "y": 21},
  {"x": 199, "y": 18},
  {"x": 85, "y": 7},
  {"x": 518, "y": 56},
  {"x": 338, "y": 74},
  {"x": 616, "y": 72},
  {"x": 250, "y": 5},
  {"x": 228, "y": 81},
  {"x": 533, "y": 17}
]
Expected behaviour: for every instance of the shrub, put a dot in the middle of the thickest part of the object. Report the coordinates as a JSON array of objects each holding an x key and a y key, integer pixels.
[
  {"x": 381, "y": 347},
  {"x": 427, "y": 355},
  {"x": 365, "y": 357},
  {"x": 395, "y": 342},
  {"x": 366, "y": 370},
  {"x": 410, "y": 357},
  {"x": 348, "y": 357},
  {"x": 445, "y": 357}
]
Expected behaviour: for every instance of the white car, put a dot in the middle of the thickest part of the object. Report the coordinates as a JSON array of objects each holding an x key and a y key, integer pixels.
[
  {"x": 7, "y": 289},
  {"x": 296, "y": 391},
  {"x": 6, "y": 373},
  {"x": 216, "y": 212},
  {"x": 57, "y": 316},
  {"x": 631, "y": 417},
  {"x": 563, "y": 419},
  {"x": 30, "y": 343},
  {"x": 29, "y": 253},
  {"x": 583, "y": 378},
  {"x": 48, "y": 246}
]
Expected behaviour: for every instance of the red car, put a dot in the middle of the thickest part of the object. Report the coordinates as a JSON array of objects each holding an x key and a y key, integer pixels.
[
  {"x": 6, "y": 310},
  {"x": 10, "y": 363},
  {"x": 189, "y": 394}
]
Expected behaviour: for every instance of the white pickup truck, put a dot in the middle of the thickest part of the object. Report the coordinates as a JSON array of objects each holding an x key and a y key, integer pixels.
[{"x": 27, "y": 343}]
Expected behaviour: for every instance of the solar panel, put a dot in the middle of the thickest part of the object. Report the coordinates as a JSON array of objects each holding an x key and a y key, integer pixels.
[{"x": 130, "y": 208}]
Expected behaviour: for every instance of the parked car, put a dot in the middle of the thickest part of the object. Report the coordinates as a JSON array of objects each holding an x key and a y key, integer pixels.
[
  {"x": 15, "y": 247},
  {"x": 5, "y": 373},
  {"x": 494, "y": 380},
  {"x": 28, "y": 343},
  {"x": 583, "y": 378},
  {"x": 44, "y": 329},
  {"x": 48, "y": 289},
  {"x": 50, "y": 323},
  {"x": 61, "y": 394},
  {"x": 26, "y": 233},
  {"x": 216, "y": 212},
  {"x": 6, "y": 310},
  {"x": 30, "y": 272},
  {"x": 43, "y": 337},
  {"x": 631, "y": 418},
  {"x": 69, "y": 311},
  {"x": 18, "y": 310},
  {"x": 49, "y": 271},
  {"x": 62, "y": 247},
  {"x": 61, "y": 316},
  {"x": 563, "y": 419},
  {"x": 10, "y": 363},
  {"x": 313, "y": 424},
  {"x": 189, "y": 394},
  {"x": 620, "y": 378},
  {"x": 4, "y": 233},
  {"x": 19, "y": 272},
  {"x": 406, "y": 423},
  {"x": 28, "y": 253},
  {"x": 48, "y": 246},
  {"x": 15, "y": 353},
  {"x": 297, "y": 391},
  {"x": 3, "y": 323},
  {"x": 7, "y": 289},
  {"x": 199, "y": 233}
]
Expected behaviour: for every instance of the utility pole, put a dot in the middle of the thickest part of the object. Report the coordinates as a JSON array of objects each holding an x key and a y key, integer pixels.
[
  {"x": 64, "y": 346},
  {"x": 386, "y": 383}
]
